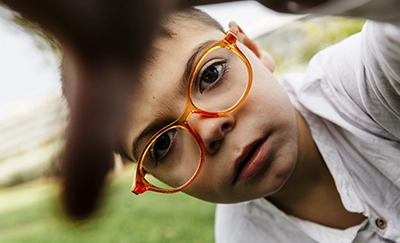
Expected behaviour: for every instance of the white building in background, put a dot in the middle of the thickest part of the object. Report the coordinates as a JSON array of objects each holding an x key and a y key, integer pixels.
[{"x": 30, "y": 143}]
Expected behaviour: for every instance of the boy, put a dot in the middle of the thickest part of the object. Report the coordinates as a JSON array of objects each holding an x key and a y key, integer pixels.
[{"x": 303, "y": 167}]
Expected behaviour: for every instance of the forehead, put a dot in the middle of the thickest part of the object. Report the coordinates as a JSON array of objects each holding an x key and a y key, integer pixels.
[{"x": 158, "y": 95}]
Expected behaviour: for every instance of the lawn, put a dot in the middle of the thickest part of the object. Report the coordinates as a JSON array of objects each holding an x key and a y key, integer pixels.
[{"x": 31, "y": 213}]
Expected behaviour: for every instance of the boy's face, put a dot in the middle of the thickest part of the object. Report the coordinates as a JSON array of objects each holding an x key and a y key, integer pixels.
[{"x": 262, "y": 131}]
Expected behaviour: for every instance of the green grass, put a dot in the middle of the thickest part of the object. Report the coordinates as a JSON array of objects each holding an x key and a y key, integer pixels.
[{"x": 31, "y": 213}]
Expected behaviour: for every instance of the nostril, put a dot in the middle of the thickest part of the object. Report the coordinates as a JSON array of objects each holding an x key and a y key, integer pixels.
[
  {"x": 224, "y": 127},
  {"x": 213, "y": 146},
  {"x": 212, "y": 130}
]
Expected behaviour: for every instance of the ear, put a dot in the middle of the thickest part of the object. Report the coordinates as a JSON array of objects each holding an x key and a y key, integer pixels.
[{"x": 264, "y": 57}]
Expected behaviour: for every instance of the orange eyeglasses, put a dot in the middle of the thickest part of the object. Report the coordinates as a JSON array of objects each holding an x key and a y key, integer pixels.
[{"x": 219, "y": 83}]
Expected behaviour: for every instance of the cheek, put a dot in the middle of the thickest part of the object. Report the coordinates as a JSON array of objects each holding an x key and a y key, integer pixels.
[
  {"x": 213, "y": 183},
  {"x": 268, "y": 96},
  {"x": 273, "y": 111}
]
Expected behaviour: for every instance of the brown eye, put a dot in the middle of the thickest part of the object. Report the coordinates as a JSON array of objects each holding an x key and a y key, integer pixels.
[
  {"x": 210, "y": 75},
  {"x": 163, "y": 142},
  {"x": 162, "y": 145}
]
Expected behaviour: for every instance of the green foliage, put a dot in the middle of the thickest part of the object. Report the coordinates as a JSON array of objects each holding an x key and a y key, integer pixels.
[
  {"x": 30, "y": 213},
  {"x": 293, "y": 46},
  {"x": 44, "y": 40},
  {"x": 322, "y": 34}
]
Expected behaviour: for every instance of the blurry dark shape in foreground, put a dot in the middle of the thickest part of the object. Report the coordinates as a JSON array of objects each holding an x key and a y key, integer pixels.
[
  {"x": 108, "y": 39},
  {"x": 292, "y": 6}
]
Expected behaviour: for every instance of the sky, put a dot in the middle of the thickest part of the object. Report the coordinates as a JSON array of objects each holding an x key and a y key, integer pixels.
[{"x": 29, "y": 76}]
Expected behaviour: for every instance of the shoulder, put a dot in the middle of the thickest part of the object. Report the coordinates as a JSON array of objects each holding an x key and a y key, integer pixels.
[{"x": 358, "y": 78}]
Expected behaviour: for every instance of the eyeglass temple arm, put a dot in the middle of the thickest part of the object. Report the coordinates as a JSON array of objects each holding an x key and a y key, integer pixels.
[
  {"x": 231, "y": 36},
  {"x": 139, "y": 186}
]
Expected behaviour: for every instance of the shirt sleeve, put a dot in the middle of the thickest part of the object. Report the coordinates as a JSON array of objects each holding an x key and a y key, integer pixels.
[{"x": 380, "y": 57}]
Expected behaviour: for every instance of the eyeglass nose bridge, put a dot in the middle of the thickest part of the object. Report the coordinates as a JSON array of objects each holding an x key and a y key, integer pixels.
[{"x": 200, "y": 112}]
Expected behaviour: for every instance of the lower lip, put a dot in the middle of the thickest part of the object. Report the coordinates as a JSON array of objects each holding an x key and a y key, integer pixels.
[{"x": 256, "y": 162}]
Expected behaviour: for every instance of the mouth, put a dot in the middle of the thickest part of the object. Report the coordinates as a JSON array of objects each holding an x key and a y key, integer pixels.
[
  {"x": 252, "y": 160},
  {"x": 249, "y": 155}
]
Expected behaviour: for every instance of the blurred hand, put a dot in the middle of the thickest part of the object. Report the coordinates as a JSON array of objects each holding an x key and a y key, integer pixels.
[
  {"x": 96, "y": 28},
  {"x": 107, "y": 39}
]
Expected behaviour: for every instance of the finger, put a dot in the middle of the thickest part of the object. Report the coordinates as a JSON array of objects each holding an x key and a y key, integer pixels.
[{"x": 91, "y": 136}]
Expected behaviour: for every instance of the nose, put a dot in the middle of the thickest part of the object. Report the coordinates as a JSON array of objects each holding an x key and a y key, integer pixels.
[{"x": 212, "y": 130}]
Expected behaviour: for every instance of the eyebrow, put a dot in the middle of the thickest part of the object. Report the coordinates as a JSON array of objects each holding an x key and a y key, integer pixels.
[
  {"x": 160, "y": 121},
  {"x": 184, "y": 80}
]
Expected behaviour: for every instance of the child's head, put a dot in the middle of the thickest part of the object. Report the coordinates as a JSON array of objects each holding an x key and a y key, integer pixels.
[{"x": 249, "y": 152}]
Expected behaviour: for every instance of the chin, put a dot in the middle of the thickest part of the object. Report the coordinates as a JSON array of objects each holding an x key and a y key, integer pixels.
[{"x": 279, "y": 172}]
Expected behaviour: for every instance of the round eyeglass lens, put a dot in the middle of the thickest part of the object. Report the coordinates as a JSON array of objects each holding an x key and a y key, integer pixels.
[
  {"x": 173, "y": 158},
  {"x": 220, "y": 81}
]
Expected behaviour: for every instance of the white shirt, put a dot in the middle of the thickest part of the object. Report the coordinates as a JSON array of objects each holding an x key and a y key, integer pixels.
[{"x": 349, "y": 96}]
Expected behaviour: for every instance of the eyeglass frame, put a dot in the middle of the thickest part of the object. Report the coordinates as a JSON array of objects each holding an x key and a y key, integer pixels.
[{"x": 140, "y": 184}]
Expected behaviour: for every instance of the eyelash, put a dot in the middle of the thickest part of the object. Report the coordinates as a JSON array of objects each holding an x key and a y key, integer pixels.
[{"x": 225, "y": 69}]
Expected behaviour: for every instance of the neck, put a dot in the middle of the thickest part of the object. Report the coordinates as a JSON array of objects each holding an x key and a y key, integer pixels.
[{"x": 310, "y": 193}]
